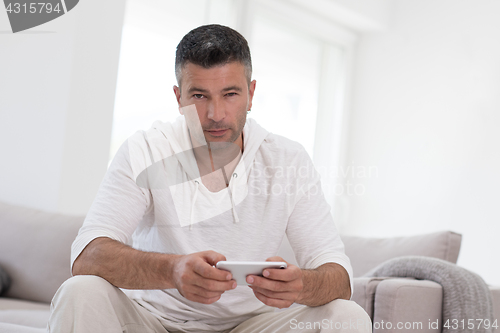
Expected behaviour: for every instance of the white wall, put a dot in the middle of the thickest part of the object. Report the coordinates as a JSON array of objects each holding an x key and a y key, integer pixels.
[
  {"x": 33, "y": 97},
  {"x": 425, "y": 114},
  {"x": 57, "y": 87}
]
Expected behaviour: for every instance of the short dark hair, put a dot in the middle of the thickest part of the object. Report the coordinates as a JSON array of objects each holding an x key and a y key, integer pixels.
[{"x": 212, "y": 45}]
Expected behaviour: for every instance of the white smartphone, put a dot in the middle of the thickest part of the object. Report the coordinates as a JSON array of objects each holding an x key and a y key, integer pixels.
[{"x": 240, "y": 269}]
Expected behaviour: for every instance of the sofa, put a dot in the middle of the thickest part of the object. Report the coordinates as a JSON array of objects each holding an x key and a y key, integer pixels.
[{"x": 35, "y": 253}]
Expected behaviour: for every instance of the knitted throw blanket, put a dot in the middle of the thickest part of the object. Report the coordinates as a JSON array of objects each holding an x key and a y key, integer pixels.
[{"x": 465, "y": 294}]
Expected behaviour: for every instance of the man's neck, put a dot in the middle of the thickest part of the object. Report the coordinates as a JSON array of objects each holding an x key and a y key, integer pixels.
[{"x": 212, "y": 157}]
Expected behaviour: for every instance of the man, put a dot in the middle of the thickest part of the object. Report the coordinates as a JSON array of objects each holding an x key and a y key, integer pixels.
[{"x": 182, "y": 196}]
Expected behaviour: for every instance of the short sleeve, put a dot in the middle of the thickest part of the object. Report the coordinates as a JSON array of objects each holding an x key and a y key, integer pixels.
[
  {"x": 311, "y": 230},
  {"x": 118, "y": 208}
]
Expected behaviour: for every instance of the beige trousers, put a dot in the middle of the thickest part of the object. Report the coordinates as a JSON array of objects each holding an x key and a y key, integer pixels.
[{"x": 88, "y": 303}]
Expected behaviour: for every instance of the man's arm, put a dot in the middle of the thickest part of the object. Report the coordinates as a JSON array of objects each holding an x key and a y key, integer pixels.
[
  {"x": 125, "y": 267},
  {"x": 312, "y": 287},
  {"x": 324, "y": 284}
]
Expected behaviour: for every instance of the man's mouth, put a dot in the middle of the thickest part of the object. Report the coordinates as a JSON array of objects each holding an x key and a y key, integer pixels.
[{"x": 219, "y": 132}]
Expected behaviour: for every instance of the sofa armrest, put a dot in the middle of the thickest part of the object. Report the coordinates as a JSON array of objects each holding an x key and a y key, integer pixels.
[
  {"x": 407, "y": 302},
  {"x": 35, "y": 250},
  {"x": 364, "y": 292},
  {"x": 495, "y": 295}
]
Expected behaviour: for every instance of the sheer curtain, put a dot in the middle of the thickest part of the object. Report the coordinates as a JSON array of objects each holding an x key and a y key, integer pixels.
[
  {"x": 144, "y": 93},
  {"x": 286, "y": 66}
]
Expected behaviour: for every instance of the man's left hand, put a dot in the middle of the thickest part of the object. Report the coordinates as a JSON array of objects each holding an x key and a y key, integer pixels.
[{"x": 277, "y": 287}]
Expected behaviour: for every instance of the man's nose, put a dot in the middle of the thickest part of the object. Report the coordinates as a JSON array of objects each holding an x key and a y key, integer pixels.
[{"x": 216, "y": 111}]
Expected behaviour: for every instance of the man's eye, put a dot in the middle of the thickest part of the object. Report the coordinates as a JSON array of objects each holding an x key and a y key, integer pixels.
[
  {"x": 198, "y": 96},
  {"x": 231, "y": 94}
]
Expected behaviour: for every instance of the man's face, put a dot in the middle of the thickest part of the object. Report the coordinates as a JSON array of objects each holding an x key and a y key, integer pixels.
[{"x": 222, "y": 98}]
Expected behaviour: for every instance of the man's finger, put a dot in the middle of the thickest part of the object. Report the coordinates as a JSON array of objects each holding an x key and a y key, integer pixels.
[
  {"x": 288, "y": 274},
  {"x": 266, "y": 283},
  {"x": 277, "y": 303},
  {"x": 283, "y": 295},
  {"x": 203, "y": 300},
  {"x": 213, "y": 257},
  {"x": 215, "y": 285},
  {"x": 276, "y": 258},
  {"x": 202, "y": 292},
  {"x": 208, "y": 271}
]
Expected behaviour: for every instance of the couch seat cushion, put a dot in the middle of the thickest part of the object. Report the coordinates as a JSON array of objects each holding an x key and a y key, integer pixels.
[{"x": 24, "y": 313}]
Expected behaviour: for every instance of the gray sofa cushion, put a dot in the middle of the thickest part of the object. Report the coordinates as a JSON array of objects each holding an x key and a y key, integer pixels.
[
  {"x": 366, "y": 253},
  {"x": 17, "y": 304},
  {"x": 30, "y": 318},
  {"x": 35, "y": 250}
]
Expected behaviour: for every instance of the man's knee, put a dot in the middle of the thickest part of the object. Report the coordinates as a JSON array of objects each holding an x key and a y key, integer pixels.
[
  {"x": 347, "y": 308},
  {"x": 83, "y": 286},
  {"x": 347, "y": 314}
]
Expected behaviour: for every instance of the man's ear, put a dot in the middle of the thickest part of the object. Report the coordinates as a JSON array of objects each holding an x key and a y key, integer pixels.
[
  {"x": 251, "y": 91},
  {"x": 177, "y": 92}
]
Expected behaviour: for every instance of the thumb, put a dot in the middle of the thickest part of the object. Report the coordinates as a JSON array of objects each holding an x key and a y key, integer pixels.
[
  {"x": 276, "y": 258},
  {"x": 213, "y": 257}
]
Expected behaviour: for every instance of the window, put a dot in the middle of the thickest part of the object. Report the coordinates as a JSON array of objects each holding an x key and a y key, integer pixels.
[
  {"x": 287, "y": 62},
  {"x": 300, "y": 62},
  {"x": 151, "y": 32},
  {"x": 286, "y": 66}
]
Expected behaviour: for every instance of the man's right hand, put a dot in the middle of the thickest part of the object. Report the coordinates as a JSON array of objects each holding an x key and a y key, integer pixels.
[{"x": 196, "y": 278}]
